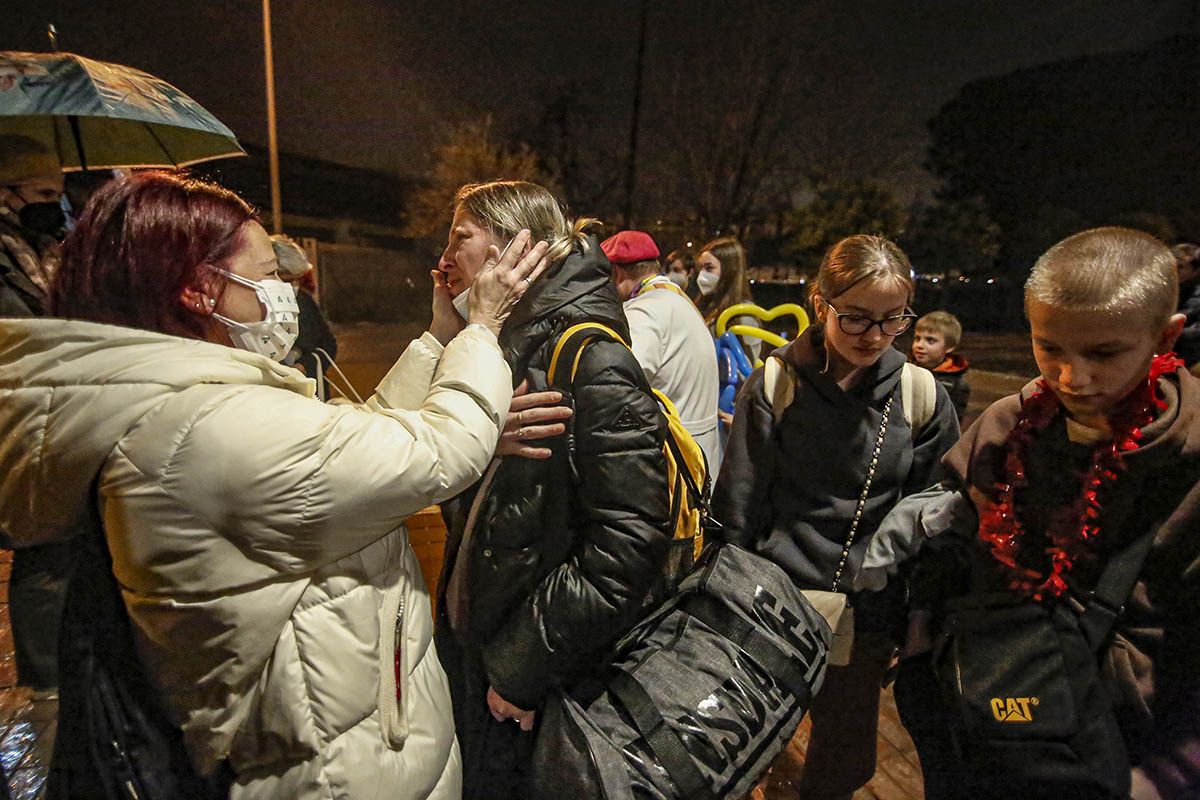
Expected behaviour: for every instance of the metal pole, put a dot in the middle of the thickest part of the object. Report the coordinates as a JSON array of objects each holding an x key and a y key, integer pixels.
[
  {"x": 631, "y": 173},
  {"x": 272, "y": 141}
]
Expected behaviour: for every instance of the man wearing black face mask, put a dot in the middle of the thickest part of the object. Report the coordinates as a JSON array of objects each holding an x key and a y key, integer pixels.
[
  {"x": 31, "y": 226},
  {"x": 32, "y": 223}
]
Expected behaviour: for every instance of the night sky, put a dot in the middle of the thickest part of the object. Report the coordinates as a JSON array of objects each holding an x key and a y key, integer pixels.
[{"x": 375, "y": 83}]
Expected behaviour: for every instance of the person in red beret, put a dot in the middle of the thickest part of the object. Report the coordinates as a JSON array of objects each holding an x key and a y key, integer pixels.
[{"x": 669, "y": 337}]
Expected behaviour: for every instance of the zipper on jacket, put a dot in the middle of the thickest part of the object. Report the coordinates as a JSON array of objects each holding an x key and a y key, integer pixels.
[
  {"x": 393, "y": 671},
  {"x": 398, "y": 660}
]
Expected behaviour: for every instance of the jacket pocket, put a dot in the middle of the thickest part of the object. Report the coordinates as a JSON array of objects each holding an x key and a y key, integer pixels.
[{"x": 393, "y": 672}]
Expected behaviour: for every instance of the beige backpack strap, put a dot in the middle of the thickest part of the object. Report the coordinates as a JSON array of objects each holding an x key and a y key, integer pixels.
[
  {"x": 918, "y": 396},
  {"x": 779, "y": 385}
]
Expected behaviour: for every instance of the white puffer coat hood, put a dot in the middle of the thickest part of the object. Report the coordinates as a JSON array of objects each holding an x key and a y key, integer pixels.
[{"x": 257, "y": 537}]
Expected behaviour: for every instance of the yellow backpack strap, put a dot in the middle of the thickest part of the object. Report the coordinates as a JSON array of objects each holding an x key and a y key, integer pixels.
[
  {"x": 570, "y": 346},
  {"x": 564, "y": 364}
]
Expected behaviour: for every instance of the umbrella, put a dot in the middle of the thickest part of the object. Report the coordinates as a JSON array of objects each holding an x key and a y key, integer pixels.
[{"x": 97, "y": 115}]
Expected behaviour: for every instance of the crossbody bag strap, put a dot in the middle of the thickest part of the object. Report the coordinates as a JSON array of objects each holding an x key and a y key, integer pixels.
[
  {"x": 862, "y": 496},
  {"x": 1107, "y": 601}
]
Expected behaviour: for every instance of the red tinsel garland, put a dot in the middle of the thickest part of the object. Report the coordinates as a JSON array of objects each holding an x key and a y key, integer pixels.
[{"x": 999, "y": 526}]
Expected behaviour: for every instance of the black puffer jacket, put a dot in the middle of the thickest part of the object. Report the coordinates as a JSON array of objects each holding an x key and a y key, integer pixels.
[{"x": 559, "y": 567}]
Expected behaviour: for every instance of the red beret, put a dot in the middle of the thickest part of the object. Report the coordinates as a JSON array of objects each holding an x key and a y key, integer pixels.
[{"x": 629, "y": 247}]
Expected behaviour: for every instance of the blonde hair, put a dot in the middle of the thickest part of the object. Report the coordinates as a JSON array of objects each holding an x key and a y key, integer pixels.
[
  {"x": 861, "y": 258},
  {"x": 945, "y": 323},
  {"x": 733, "y": 287},
  {"x": 1110, "y": 270},
  {"x": 505, "y": 207}
]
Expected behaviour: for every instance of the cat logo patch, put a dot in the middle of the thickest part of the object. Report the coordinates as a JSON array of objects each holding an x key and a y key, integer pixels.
[{"x": 1013, "y": 709}]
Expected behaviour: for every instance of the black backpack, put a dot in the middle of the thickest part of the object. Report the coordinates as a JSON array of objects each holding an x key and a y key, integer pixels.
[
  {"x": 1028, "y": 714},
  {"x": 114, "y": 738}
]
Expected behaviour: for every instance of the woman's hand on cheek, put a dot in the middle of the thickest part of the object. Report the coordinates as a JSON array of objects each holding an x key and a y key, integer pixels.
[{"x": 504, "y": 279}]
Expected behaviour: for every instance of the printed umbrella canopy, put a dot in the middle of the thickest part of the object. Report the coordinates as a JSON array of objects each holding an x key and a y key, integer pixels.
[{"x": 97, "y": 115}]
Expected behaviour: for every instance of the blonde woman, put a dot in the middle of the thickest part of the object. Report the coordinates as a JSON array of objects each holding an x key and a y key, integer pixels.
[
  {"x": 791, "y": 481},
  {"x": 548, "y": 559}
]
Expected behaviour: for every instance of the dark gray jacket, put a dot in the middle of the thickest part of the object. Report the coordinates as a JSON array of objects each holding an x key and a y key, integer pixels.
[
  {"x": 19, "y": 297},
  {"x": 1187, "y": 346},
  {"x": 788, "y": 491}
]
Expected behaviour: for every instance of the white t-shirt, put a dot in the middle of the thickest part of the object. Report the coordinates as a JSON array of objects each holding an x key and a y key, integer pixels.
[{"x": 676, "y": 351}]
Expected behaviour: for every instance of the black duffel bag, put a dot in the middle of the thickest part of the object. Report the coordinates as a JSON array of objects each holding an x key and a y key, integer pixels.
[{"x": 700, "y": 697}]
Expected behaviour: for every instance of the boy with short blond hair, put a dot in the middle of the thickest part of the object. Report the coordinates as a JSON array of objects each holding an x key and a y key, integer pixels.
[
  {"x": 934, "y": 346},
  {"x": 1077, "y": 474}
]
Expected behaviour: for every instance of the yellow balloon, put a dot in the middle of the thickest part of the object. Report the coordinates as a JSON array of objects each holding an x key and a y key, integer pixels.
[{"x": 766, "y": 315}]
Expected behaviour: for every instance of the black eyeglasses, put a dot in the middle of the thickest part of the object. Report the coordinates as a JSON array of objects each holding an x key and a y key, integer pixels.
[{"x": 857, "y": 324}]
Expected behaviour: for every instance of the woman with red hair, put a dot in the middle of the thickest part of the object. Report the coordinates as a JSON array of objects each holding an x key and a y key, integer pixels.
[{"x": 256, "y": 538}]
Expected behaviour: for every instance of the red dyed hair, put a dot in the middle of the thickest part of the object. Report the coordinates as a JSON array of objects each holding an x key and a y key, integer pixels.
[{"x": 141, "y": 241}]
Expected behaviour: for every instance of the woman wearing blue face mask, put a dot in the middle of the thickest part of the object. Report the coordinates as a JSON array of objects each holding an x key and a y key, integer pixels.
[{"x": 249, "y": 536}]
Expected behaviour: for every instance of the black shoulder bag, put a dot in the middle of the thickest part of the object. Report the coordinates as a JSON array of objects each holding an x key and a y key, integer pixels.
[
  {"x": 114, "y": 740},
  {"x": 1029, "y": 716}
]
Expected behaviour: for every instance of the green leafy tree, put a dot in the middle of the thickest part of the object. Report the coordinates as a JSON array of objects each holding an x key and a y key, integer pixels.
[
  {"x": 839, "y": 210},
  {"x": 471, "y": 153},
  {"x": 953, "y": 236}
]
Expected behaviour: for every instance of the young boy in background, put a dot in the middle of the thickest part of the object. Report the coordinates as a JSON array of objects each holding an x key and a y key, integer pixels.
[
  {"x": 934, "y": 343},
  {"x": 1101, "y": 451}
]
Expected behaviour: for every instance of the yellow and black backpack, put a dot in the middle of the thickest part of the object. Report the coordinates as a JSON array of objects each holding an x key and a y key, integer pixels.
[{"x": 688, "y": 479}]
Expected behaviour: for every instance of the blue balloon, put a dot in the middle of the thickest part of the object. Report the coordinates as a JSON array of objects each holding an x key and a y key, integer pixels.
[
  {"x": 726, "y": 371},
  {"x": 728, "y": 394},
  {"x": 731, "y": 344}
]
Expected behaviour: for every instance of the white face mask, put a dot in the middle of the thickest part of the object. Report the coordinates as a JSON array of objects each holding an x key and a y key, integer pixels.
[
  {"x": 461, "y": 302},
  {"x": 678, "y": 278},
  {"x": 707, "y": 282},
  {"x": 275, "y": 334}
]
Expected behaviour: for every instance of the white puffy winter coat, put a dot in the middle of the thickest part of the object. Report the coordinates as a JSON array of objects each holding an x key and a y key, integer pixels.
[{"x": 256, "y": 534}]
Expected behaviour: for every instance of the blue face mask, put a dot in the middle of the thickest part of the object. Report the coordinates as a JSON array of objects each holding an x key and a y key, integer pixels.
[{"x": 68, "y": 210}]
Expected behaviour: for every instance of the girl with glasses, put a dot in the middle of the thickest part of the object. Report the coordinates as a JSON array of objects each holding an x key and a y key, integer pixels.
[{"x": 807, "y": 482}]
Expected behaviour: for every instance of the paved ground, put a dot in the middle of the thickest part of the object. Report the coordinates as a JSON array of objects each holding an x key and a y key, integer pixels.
[{"x": 27, "y": 721}]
